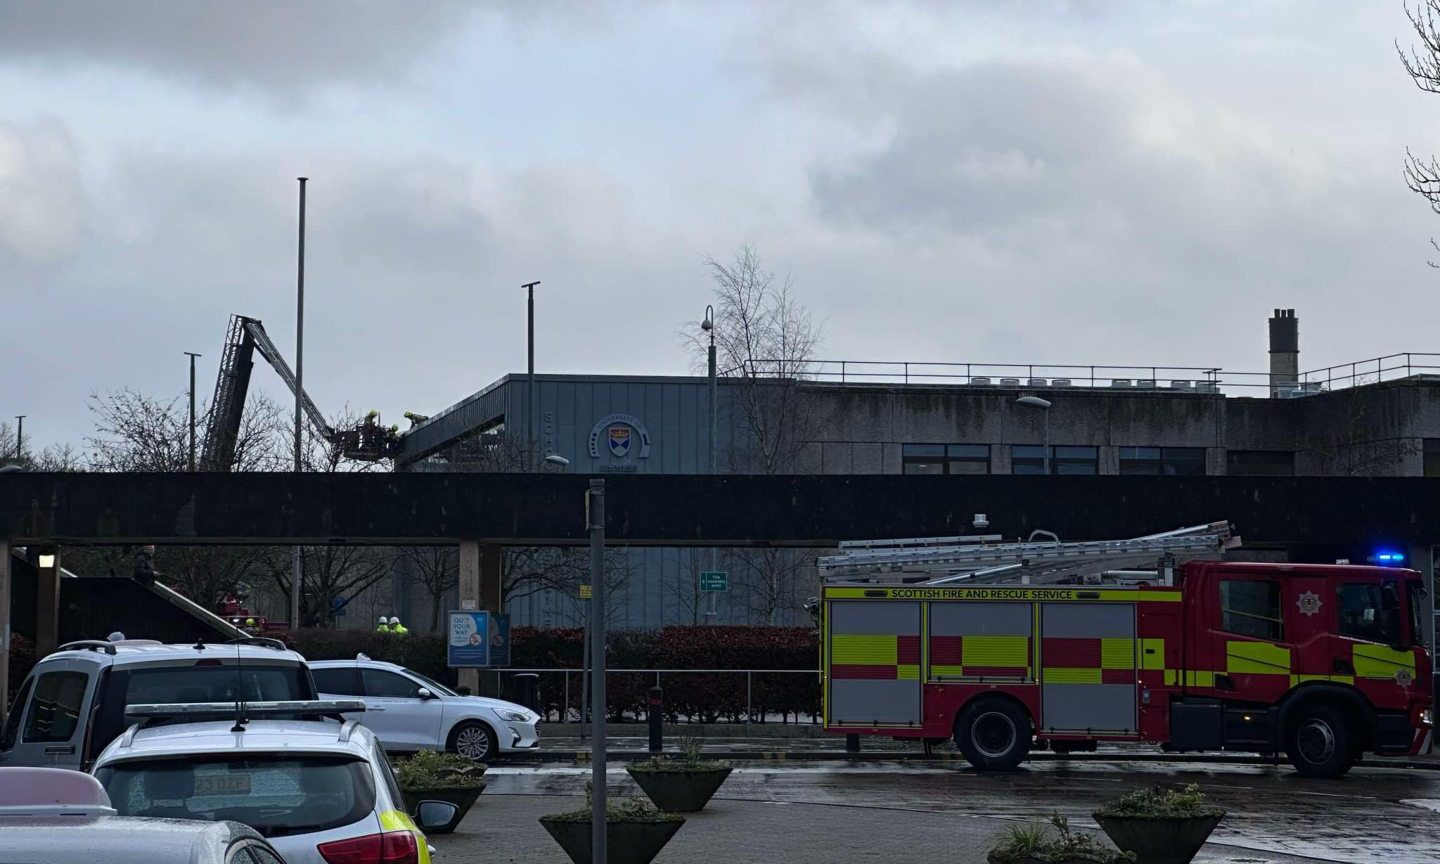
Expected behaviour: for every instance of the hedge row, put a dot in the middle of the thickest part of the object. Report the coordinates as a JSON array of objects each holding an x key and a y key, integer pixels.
[{"x": 700, "y": 696}]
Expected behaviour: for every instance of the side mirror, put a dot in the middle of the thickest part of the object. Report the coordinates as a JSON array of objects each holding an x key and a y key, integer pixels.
[
  {"x": 435, "y": 815},
  {"x": 424, "y": 693}
]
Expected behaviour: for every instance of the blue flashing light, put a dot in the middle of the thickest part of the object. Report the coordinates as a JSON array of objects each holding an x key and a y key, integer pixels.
[{"x": 1388, "y": 557}]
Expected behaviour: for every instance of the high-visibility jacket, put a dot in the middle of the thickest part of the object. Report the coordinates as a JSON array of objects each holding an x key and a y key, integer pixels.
[
  {"x": 383, "y": 628},
  {"x": 398, "y": 628}
]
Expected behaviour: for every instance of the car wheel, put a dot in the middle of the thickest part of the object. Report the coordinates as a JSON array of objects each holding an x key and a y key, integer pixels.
[
  {"x": 474, "y": 741},
  {"x": 1319, "y": 744},
  {"x": 994, "y": 734}
]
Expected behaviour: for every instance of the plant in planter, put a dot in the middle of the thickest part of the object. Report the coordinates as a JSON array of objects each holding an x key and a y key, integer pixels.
[
  {"x": 1033, "y": 843},
  {"x": 680, "y": 784},
  {"x": 431, "y": 776},
  {"x": 635, "y": 831},
  {"x": 1161, "y": 826}
]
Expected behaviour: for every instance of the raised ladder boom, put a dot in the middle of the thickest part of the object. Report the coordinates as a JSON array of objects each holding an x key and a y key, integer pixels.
[{"x": 949, "y": 560}]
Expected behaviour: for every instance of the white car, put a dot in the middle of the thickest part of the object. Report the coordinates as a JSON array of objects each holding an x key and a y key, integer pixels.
[
  {"x": 411, "y": 712},
  {"x": 321, "y": 792}
]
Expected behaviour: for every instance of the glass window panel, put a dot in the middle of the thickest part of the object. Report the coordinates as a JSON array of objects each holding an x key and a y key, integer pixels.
[
  {"x": 1251, "y": 608},
  {"x": 56, "y": 709},
  {"x": 1182, "y": 461},
  {"x": 968, "y": 451}
]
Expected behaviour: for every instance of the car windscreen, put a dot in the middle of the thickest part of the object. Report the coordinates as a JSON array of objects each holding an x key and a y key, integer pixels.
[
  {"x": 276, "y": 795},
  {"x": 435, "y": 686}
]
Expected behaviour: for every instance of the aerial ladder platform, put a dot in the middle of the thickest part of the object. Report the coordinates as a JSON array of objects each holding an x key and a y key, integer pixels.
[
  {"x": 367, "y": 441},
  {"x": 988, "y": 559}
]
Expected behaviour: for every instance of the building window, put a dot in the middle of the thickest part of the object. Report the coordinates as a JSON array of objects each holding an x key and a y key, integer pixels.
[
  {"x": 1029, "y": 459},
  {"x": 1164, "y": 461},
  {"x": 1251, "y": 608},
  {"x": 1432, "y": 457},
  {"x": 1260, "y": 463},
  {"x": 945, "y": 459}
]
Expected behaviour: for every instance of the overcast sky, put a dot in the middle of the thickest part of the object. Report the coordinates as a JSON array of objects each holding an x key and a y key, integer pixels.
[{"x": 1087, "y": 182}]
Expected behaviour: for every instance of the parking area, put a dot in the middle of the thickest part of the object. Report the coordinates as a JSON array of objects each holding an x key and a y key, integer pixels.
[{"x": 821, "y": 812}]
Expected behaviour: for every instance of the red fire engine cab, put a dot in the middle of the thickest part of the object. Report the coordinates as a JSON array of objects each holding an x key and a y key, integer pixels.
[{"x": 1320, "y": 662}]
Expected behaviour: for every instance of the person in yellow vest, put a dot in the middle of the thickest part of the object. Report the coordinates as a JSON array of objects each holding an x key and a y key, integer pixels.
[
  {"x": 384, "y": 625},
  {"x": 396, "y": 627}
]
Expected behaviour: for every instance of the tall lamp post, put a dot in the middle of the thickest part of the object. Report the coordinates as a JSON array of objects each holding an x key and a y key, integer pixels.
[
  {"x": 532, "y": 462},
  {"x": 297, "y": 564},
  {"x": 1043, "y": 405},
  {"x": 19, "y": 436},
  {"x": 192, "y": 355},
  {"x": 708, "y": 325}
]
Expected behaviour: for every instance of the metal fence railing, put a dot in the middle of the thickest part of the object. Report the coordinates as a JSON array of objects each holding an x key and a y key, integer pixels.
[
  {"x": 1051, "y": 376},
  {"x": 706, "y": 695}
]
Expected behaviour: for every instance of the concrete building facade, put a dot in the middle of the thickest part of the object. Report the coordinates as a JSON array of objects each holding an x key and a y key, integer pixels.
[{"x": 1288, "y": 423}]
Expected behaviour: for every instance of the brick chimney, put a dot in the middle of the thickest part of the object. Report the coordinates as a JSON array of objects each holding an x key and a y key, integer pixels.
[{"x": 1284, "y": 351}]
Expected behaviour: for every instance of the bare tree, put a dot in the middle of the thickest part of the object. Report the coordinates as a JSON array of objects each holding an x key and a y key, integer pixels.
[
  {"x": 530, "y": 570},
  {"x": 434, "y": 568},
  {"x": 773, "y": 582},
  {"x": 55, "y": 457},
  {"x": 138, "y": 432},
  {"x": 1422, "y": 63},
  {"x": 765, "y": 342}
]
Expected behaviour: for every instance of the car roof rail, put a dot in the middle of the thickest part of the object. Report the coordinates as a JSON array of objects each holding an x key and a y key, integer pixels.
[
  {"x": 261, "y": 641},
  {"x": 89, "y": 645},
  {"x": 346, "y": 730},
  {"x": 197, "y": 711}
]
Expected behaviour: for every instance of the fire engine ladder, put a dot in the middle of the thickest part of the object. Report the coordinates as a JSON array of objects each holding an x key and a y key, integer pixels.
[
  {"x": 950, "y": 560},
  {"x": 244, "y": 337}
]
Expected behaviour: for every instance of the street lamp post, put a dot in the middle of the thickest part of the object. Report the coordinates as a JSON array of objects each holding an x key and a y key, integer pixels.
[
  {"x": 19, "y": 436},
  {"x": 192, "y": 355},
  {"x": 708, "y": 325},
  {"x": 532, "y": 463},
  {"x": 1043, "y": 405},
  {"x": 297, "y": 564}
]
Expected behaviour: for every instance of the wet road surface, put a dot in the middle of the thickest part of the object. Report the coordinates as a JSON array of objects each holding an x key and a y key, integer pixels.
[{"x": 893, "y": 812}]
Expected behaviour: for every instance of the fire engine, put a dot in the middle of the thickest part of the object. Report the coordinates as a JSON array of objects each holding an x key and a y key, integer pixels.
[{"x": 1008, "y": 646}]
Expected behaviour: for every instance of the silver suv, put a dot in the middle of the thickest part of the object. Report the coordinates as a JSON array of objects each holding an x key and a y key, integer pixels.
[{"x": 73, "y": 702}]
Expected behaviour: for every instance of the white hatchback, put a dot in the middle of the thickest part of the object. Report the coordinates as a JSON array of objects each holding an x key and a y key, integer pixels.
[
  {"x": 320, "y": 792},
  {"x": 409, "y": 711}
]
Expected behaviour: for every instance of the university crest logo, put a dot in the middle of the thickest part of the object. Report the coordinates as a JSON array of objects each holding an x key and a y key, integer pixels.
[{"x": 619, "y": 437}]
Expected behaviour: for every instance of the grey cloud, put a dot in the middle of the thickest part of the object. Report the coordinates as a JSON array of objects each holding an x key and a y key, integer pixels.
[
  {"x": 43, "y": 204},
  {"x": 269, "y": 43}
]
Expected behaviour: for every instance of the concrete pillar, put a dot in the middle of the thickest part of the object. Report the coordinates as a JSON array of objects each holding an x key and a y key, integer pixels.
[
  {"x": 47, "y": 601},
  {"x": 469, "y": 567},
  {"x": 492, "y": 595},
  {"x": 1109, "y": 460},
  {"x": 4, "y": 629}
]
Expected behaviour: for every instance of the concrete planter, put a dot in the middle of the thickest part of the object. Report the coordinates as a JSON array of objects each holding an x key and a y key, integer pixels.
[
  {"x": 462, "y": 798},
  {"x": 680, "y": 791},
  {"x": 1159, "y": 841},
  {"x": 1028, "y": 859},
  {"x": 627, "y": 842}
]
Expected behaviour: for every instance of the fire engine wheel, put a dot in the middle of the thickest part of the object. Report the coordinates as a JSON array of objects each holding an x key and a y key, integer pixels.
[
  {"x": 994, "y": 734},
  {"x": 1319, "y": 743}
]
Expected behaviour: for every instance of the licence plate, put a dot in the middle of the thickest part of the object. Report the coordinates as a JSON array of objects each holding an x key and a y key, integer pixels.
[{"x": 222, "y": 784}]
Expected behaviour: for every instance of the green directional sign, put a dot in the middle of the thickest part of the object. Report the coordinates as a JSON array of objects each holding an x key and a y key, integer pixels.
[{"x": 714, "y": 580}]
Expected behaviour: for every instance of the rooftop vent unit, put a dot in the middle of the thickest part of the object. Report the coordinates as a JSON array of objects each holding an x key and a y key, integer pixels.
[
  {"x": 1060, "y": 382},
  {"x": 980, "y": 382},
  {"x": 1120, "y": 382},
  {"x": 1009, "y": 382},
  {"x": 1207, "y": 386},
  {"x": 1147, "y": 383},
  {"x": 1037, "y": 382},
  {"x": 1182, "y": 385}
]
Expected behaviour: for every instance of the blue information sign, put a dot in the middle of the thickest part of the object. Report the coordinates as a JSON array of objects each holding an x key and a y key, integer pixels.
[{"x": 469, "y": 639}]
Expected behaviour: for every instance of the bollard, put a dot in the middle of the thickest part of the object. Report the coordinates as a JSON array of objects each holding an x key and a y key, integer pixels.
[{"x": 657, "y": 721}]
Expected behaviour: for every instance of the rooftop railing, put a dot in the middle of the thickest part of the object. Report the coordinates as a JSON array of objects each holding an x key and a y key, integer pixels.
[{"x": 1052, "y": 376}]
